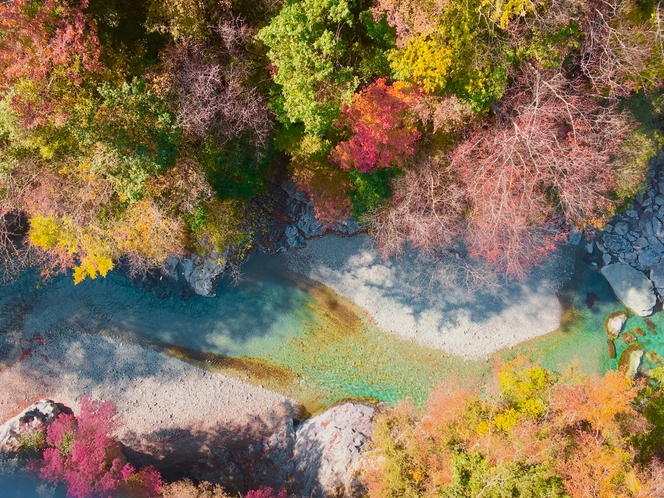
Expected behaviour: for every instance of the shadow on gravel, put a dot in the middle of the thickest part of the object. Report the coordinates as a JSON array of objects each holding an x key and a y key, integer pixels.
[
  {"x": 239, "y": 457},
  {"x": 428, "y": 295}
]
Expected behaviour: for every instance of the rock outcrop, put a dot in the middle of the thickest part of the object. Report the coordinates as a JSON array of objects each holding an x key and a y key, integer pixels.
[
  {"x": 186, "y": 276},
  {"x": 328, "y": 451},
  {"x": 295, "y": 222},
  {"x": 319, "y": 458},
  {"x": 635, "y": 237},
  {"x": 630, "y": 360},
  {"x": 657, "y": 278},
  {"x": 614, "y": 323},
  {"x": 37, "y": 416},
  {"x": 201, "y": 273},
  {"x": 631, "y": 287}
]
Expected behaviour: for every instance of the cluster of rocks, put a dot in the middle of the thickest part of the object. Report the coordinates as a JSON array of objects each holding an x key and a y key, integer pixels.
[
  {"x": 630, "y": 250},
  {"x": 631, "y": 357},
  {"x": 295, "y": 222},
  {"x": 320, "y": 457}
]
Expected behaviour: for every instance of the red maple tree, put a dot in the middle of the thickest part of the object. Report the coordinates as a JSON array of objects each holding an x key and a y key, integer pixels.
[{"x": 383, "y": 135}]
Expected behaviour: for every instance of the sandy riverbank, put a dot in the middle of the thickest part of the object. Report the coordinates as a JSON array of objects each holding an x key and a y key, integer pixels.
[
  {"x": 404, "y": 296},
  {"x": 171, "y": 411}
]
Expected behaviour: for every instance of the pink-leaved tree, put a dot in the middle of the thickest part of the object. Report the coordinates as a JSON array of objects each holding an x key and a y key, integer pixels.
[{"x": 82, "y": 454}]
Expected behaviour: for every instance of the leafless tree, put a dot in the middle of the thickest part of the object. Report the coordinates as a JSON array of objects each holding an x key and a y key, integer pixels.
[
  {"x": 211, "y": 86},
  {"x": 549, "y": 155}
]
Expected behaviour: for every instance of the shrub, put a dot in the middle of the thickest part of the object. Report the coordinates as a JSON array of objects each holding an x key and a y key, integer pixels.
[
  {"x": 266, "y": 493},
  {"x": 82, "y": 454}
]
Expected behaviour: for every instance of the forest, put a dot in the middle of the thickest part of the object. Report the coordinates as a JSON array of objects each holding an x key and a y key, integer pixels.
[{"x": 134, "y": 131}]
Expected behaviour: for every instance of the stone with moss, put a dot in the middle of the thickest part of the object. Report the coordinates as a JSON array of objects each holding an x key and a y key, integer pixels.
[
  {"x": 628, "y": 338},
  {"x": 614, "y": 323},
  {"x": 654, "y": 357},
  {"x": 630, "y": 360}
]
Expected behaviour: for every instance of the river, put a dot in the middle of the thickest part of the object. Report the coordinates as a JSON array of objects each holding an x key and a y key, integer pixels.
[{"x": 289, "y": 333}]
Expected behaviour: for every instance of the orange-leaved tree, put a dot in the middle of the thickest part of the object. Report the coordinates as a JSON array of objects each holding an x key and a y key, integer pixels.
[
  {"x": 384, "y": 136},
  {"x": 532, "y": 434}
]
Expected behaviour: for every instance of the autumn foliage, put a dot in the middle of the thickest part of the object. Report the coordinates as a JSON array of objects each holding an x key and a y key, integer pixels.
[
  {"x": 551, "y": 151},
  {"x": 383, "y": 137},
  {"x": 44, "y": 48},
  {"x": 532, "y": 435},
  {"x": 486, "y": 127},
  {"x": 546, "y": 154},
  {"x": 82, "y": 453}
]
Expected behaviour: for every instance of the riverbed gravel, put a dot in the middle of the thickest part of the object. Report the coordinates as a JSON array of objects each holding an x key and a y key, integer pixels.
[
  {"x": 412, "y": 297},
  {"x": 169, "y": 408}
]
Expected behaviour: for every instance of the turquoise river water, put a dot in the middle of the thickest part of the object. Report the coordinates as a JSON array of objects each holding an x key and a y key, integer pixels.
[{"x": 291, "y": 334}]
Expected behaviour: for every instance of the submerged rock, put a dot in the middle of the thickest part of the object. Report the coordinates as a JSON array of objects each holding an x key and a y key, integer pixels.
[
  {"x": 631, "y": 287},
  {"x": 628, "y": 338},
  {"x": 612, "y": 348},
  {"x": 651, "y": 325},
  {"x": 614, "y": 323},
  {"x": 654, "y": 357},
  {"x": 591, "y": 300}
]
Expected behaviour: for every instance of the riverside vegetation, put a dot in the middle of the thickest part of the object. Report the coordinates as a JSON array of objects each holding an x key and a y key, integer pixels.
[
  {"x": 134, "y": 131},
  {"x": 530, "y": 433}
]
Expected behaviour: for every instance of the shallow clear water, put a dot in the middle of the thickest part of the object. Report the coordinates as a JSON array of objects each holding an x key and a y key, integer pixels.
[
  {"x": 292, "y": 334},
  {"x": 250, "y": 319}
]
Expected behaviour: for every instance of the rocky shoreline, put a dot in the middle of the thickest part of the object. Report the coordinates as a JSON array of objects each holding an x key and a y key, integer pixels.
[
  {"x": 630, "y": 250},
  {"x": 292, "y": 225},
  {"x": 186, "y": 421}
]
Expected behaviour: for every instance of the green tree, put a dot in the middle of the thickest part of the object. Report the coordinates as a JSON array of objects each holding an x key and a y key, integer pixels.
[{"x": 322, "y": 50}]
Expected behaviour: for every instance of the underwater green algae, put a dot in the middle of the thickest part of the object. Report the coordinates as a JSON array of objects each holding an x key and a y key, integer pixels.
[{"x": 337, "y": 353}]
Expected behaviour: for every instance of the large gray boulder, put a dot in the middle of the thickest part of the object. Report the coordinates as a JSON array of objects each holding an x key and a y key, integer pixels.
[
  {"x": 328, "y": 450},
  {"x": 201, "y": 273},
  {"x": 657, "y": 277},
  {"x": 631, "y": 287},
  {"x": 322, "y": 457}
]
